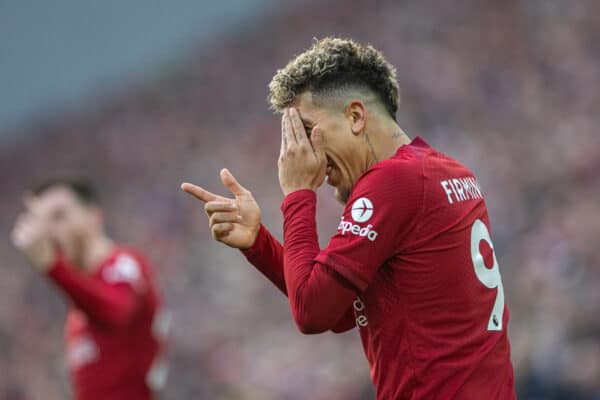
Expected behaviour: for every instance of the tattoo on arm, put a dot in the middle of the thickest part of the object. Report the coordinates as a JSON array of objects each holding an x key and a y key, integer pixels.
[
  {"x": 371, "y": 147},
  {"x": 396, "y": 135}
]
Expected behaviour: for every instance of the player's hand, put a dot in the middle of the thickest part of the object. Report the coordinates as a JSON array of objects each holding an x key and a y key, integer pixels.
[
  {"x": 302, "y": 162},
  {"x": 233, "y": 221},
  {"x": 30, "y": 235}
]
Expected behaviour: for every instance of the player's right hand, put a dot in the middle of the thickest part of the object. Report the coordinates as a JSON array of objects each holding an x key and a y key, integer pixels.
[
  {"x": 30, "y": 235},
  {"x": 232, "y": 221}
]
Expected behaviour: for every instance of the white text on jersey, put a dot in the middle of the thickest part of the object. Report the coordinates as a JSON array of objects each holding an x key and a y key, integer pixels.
[
  {"x": 355, "y": 229},
  {"x": 461, "y": 189}
]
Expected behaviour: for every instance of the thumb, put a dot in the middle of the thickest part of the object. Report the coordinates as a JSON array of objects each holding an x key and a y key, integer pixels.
[
  {"x": 231, "y": 183},
  {"x": 316, "y": 139}
]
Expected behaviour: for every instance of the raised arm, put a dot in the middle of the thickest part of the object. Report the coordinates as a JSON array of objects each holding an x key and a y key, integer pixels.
[
  {"x": 266, "y": 255},
  {"x": 236, "y": 223},
  {"x": 108, "y": 303},
  {"x": 112, "y": 304}
]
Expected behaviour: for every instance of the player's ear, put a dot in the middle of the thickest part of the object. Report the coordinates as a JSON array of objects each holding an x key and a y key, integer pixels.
[{"x": 356, "y": 114}]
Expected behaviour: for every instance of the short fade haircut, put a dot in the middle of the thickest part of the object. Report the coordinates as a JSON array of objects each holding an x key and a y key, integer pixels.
[
  {"x": 335, "y": 64},
  {"x": 82, "y": 187}
]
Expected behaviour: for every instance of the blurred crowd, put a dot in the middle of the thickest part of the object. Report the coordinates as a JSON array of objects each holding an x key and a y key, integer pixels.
[{"x": 508, "y": 87}]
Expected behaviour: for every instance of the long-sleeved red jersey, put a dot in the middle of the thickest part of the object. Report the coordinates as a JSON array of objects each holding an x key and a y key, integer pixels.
[
  {"x": 114, "y": 329},
  {"x": 413, "y": 260}
]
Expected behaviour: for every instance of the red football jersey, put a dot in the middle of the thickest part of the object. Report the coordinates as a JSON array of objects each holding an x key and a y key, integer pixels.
[
  {"x": 114, "y": 329},
  {"x": 414, "y": 240}
]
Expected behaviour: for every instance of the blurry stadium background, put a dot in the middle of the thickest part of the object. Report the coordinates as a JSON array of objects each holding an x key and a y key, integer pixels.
[{"x": 142, "y": 95}]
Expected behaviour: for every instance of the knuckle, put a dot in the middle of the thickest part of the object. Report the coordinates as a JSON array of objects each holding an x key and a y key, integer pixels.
[{"x": 221, "y": 229}]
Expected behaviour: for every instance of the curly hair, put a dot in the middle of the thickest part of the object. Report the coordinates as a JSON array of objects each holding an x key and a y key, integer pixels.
[{"x": 333, "y": 64}]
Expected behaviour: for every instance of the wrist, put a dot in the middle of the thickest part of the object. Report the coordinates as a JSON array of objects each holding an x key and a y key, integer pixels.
[
  {"x": 301, "y": 192},
  {"x": 256, "y": 243},
  {"x": 50, "y": 264},
  {"x": 290, "y": 192},
  {"x": 298, "y": 198},
  {"x": 291, "y": 189},
  {"x": 252, "y": 243}
]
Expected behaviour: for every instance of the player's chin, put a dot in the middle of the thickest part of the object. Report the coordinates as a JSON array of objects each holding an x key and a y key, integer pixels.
[{"x": 342, "y": 195}]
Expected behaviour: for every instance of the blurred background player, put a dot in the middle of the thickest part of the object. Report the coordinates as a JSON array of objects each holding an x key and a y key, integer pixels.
[
  {"x": 114, "y": 328},
  {"x": 412, "y": 262}
]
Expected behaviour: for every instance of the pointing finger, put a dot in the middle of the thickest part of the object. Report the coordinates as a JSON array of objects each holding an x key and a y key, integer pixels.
[{"x": 199, "y": 193}]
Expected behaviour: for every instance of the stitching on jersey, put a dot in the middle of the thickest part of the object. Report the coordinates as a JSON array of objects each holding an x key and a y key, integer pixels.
[
  {"x": 409, "y": 342},
  {"x": 418, "y": 219},
  {"x": 350, "y": 274}
]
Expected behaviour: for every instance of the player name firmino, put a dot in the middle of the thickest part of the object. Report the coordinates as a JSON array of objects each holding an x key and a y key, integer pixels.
[{"x": 461, "y": 189}]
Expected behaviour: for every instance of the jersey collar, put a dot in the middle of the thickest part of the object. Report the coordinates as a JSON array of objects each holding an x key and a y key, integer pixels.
[
  {"x": 416, "y": 142},
  {"x": 419, "y": 142}
]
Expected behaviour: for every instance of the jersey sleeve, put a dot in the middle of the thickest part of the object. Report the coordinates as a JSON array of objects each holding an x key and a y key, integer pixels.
[
  {"x": 381, "y": 212},
  {"x": 266, "y": 255},
  {"x": 319, "y": 301},
  {"x": 113, "y": 298}
]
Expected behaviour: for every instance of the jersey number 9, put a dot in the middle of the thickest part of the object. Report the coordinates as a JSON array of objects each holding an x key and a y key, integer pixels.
[{"x": 490, "y": 277}]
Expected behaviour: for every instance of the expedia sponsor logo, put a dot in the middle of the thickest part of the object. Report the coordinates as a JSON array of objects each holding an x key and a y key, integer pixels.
[
  {"x": 355, "y": 229},
  {"x": 359, "y": 312},
  {"x": 362, "y": 210}
]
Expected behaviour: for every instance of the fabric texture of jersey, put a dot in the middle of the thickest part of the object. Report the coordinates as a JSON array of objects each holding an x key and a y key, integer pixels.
[
  {"x": 414, "y": 242},
  {"x": 114, "y": 328}
]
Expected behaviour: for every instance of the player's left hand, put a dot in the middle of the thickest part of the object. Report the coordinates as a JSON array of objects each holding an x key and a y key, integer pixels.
[
  {"x": 302, "y": 161},
  {"x": 30, "y": 235}
]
